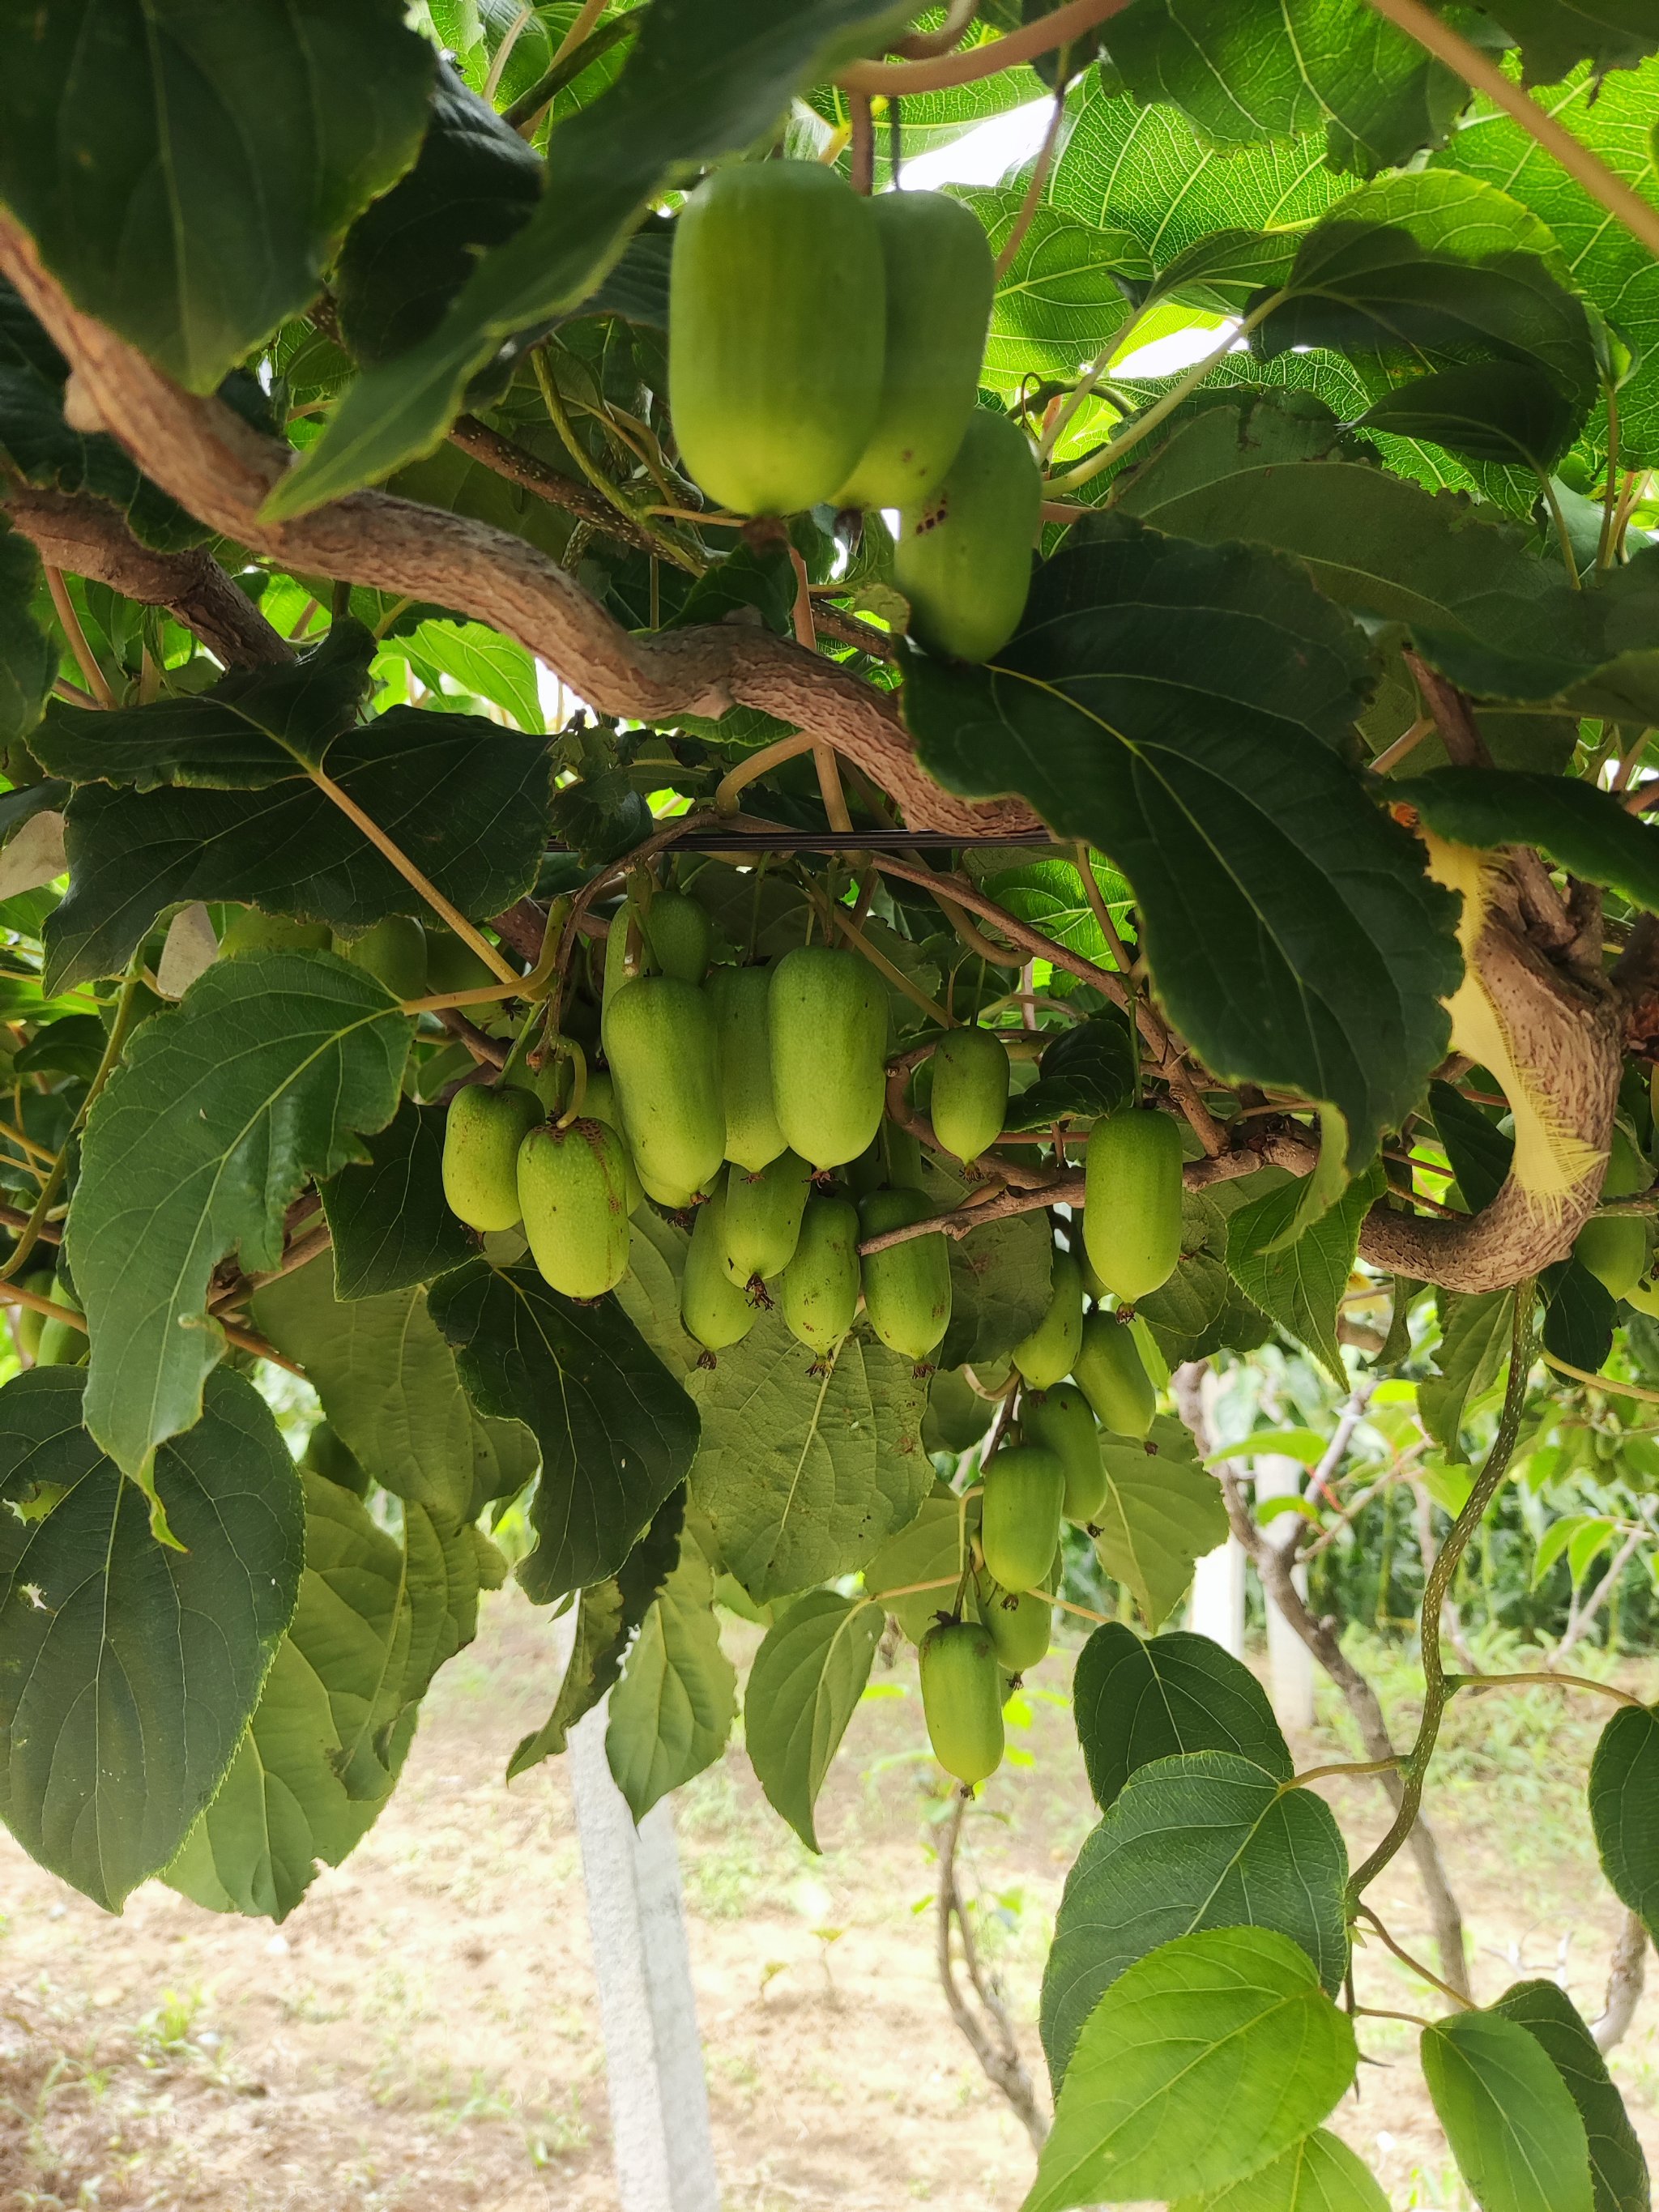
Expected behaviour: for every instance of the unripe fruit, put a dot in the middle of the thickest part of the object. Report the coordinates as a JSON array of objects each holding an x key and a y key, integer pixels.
[
  {"x": 27, "y": 1322},
  {"x": 963, "y": 556},
  {"x": 661, "y": 1044},
  {"x": 969, "y": 1095},
  {"x": 617, "y": 977},
  {"x": 907, "y": 1287},
  {"x": 573, "y": 1195},
  {"x": 62, "y": 1345},
  {"x": 940, "y": 281},
  {"x": 776, "y": 334},
  {"x": 1614, "y": 1246},
  {"x": 482, "y": 1133},
  {"x": 821, "y": 1283},
  {"x": 394, "y": 951},
  {"x": 962, "y": 1698},
  {"x": 1019, "y": 1623},
  {"x": 249, "y": 930},
  {"x": 452, "y": 965},
  {"x": 1061, "y": 1420},
  {"x": 681, "y": 933},
  {"x": 1023, "y": 1490},
  {"x": 599, "y": 1100},
  {"x": 714, "y": 1310},
  {"x": 741, "y": 999},
  {"x": 1111, "y": 1377},
  {"x": 829, "y": 1014},
  {"x": 1132, "y": 1201},
  {"x": 762, "y": 1221},
  {"x": 956, "y": 1415},
  {"x": 1045, "y": 1357}
]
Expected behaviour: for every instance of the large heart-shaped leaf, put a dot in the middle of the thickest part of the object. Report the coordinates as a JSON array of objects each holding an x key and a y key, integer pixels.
[
  {"x": 1510, "y": 2120},
  {"x": 1136, "y": 1699}
]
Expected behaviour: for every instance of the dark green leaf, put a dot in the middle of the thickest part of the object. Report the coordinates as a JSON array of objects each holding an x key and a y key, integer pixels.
[
  {"x": 390, "y": 1386},
  {"x": 1179, "y": 706},
  {"x": 1204, "y": 2061},
  {"x": 803, "y": 1475},
  {"x": 73, "y": 1045},
  {"x": 1136, "y": 1701},
  {"x": 1555, "y": 34},
  {"x": 1584, "y": 828},
  {"x": 388, "y": 1219},
  {"x": 1300, "y": 1283},
  {"x": 803, "y": 1686},
  {"x": 223, "y": 1111},
  {"x": 1509, "y": 2118},
  {"x": 1619, "y": 2172},
  {"x": 29, "y": 658},
  {"x": 1623, "y": 1806},
  {"x": 1204, "y": 1841},
  {"x": 615, "y": 1430},
  {"x": 1202, "y": 1310},
  {"x": 1474, "y": 1342},
  {"x": 671, "y": 1712},
  {"x": 999, "y": 1289},
  {"x": 1491, "y": 410},
  {"x": 1477, "y": 1149},
  {"x": 694, "y": 86},
  {"x": 128, "y": 1668},
  {"x": 1086, "y": 1070},
  {"x": 187, "y": 174},
  {"x": 1580, "y": 1316}
]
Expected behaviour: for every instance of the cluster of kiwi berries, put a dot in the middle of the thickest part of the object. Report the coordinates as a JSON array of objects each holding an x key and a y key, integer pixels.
[{"x": 824, "y": 350}]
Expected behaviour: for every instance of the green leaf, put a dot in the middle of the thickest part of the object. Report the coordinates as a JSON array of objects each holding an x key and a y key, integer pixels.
[
  {"x": 672, "y": 1710},
  {"x": 335, "y": 1720},
  {"x": 926, "y": 1550},
  {"x": 649, "y": 1293},
  {"x": 474, "y": 184},
  {"x": 390, "y": 1385},
  {"x": 1318, "y": 2175},
  {"x": 1479, "y": 1152},
  {"x": 1584, "y": 828},
  {"x": 1474, "y": 1342},
  {"x": 388, "y": 1219},
  {"x": 187, "y": 175},
  {"x": 1200, "y": 2064},
  {"x": 1162, "y": 1511},
  {"x": 1554, "y": 34},
  {"x": 1069, "y": 286},
  {"x": 483, "y": 663},
  {"x": 607, "y": 1618},
  {"x": 1613, "y": 115},
  {"x": 1619, "y": 2172},
  {"x": 1509, "y": 2118},
  {"x": 1624, "y": 1807},
  {"x": 695, "y": 86},
  {"x": 1203, "y": 1840},
  {"x": 999, "y": 1289},
  {"x": 1179, "y": 706},
  {"x": 1250, "y": 70},
  {"x": 805, "y": 1682},
  {"x": 1202, "y": 1310},
  {"x": 1300, "y": 1283},
  {"x": 215, "y": 1123},
  {"x": 128, "y": 1668},
  {"x": 616, "y": 1430},
  {"x": 1491, "y": 410},
  {"x": 803, "y": 1475},
  {"x": 1087, "y": 1071},
  {"x": 1138, "y": 1699},
  {"x": 28, "y": 659}
]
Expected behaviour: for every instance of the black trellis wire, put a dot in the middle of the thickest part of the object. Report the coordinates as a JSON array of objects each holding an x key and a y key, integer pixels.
[{"x": 848, "y": 841}]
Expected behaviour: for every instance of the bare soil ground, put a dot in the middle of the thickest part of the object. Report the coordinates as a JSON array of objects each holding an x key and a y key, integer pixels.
[{"x": 423, "y": 2032}]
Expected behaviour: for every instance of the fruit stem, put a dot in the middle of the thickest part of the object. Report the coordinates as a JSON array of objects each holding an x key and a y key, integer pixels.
[{"x": 577, "y": 1059}]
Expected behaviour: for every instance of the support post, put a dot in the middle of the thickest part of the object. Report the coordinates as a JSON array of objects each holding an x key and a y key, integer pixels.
[
  {"x": 1290, "y": 1662},
  {"x": 1217, "y": 1604}
]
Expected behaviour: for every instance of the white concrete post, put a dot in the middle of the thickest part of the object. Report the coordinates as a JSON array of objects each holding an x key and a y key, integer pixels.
[
  {"x": 1290, "y": 1662},
  {"x": 1217, "y": 1603}
]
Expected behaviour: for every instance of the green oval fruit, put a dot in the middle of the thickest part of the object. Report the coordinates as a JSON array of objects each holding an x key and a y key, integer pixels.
[
  {"x": 714, "y": 1310},
  {"x": 956, "y": 1415},
  {"x": 26, "y": 1322},
  {"x": 821, "y": 1283},
  {"x": 249, "y": 930},
  {"x": 1019, "y": 1623},
  {"x": 599, "y": 1100},
  {"x": 907, "y": 1287},
  {"x": 762, "y": 1221},
  {"x": 1111, "y": 1374},
  {"x": 940, "y": 280},
  {"x": 452, "y": 965},
  {"x": 482, "y": 1133},
  {"x": 742, "y": 999},
  {"x": 968, "y": 1099},
  {"x": 1023, "y": 1490},
  {"x": 661, "y": 1044},
  {"x": 328, "y": 1454},
  {"x": 962, "y": 1698},
  {"x": 394, "y": 951},
  {"x": 1132, "y": 1201},
  {"x": 681, "y": 933},
  {"x": 1062, "y": 1422},
  {"x": 777, "y": 334},
  {"x": 1045, "y": 1357},
  {"x": 62, "y": 1345},
  {"x": 572, "y": 1194},
  {"x": 828, "y": 1013},
  {"x": 616, "y": 964},
  {"x": 963, "y": 557}
]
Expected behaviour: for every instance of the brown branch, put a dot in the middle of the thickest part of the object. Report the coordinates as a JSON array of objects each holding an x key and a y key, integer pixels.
[
  {"x": 1067, "y": 23},
  {"x": 221, "y": 470},
  {"x": 991, "y": 2038},
  {"x": 1626, "y": 1973},
  {"x": 1454, "y": 717}
]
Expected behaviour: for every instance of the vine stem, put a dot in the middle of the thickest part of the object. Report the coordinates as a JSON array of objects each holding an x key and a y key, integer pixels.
[
  {"x": 85, "y": 657},
  {"x": 1625, "y": 205},
  {"x": 1536, "y": 1681},
  {"x": 1416, "y": 1965},
  {"x": 1602, "y": 1383},
  {"x": 1342, "y": 1767},
  {"x": 1414, "y": 1769},
  {"x": 1028, "y": 206},
  {"x": 1042, "y": 37}
]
